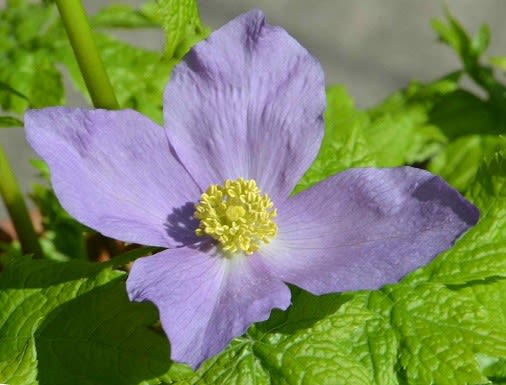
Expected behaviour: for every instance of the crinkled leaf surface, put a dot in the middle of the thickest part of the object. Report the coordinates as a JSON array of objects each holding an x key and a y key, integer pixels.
[
  {"x": 71, "y": 323},
  {"x": 344, "y": 144},
  {"x": 440, "y": 331}
]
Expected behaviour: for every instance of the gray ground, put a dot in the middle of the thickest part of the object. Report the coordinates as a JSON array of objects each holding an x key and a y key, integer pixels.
[{"x": 373, "y": 47}]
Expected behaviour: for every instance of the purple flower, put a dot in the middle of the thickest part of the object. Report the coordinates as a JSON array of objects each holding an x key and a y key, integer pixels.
[{"x": 243, "y": 121}]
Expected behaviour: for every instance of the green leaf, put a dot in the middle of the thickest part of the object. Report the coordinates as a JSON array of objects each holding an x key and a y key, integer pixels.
[
  {"x": 498, "y": 62},
  {"x": 460, "y": 160},
  {"x": 401, "y": 131},
  {"x": 469, "y": 51},
  {"x": 480, "y": 41},
  {"x": 9, "y": 251},
  {"x": 42, "y": 168},
  {"x": 182, "y": 25},
  {"x": 33, "y": 289},
  {"x": 460, "y": 113},
  {"x": 27, "y": 62},
  {"x": 46, "y": 88},
  {"x": 493, "y": 368},
  {"x": 4, "y": 87},
  {"x": 489, "y": 187},
  {"x": 435, "y": 120},
  {"x": 125, "y": 16},
  {"x": 10, "y": 121},
  {"x": 34, "y": 76},
  {"x": 453, "y": 34},
  {"x": 440, "y": 332},
  {"x": 32, "y": 41},
  {"x": 446, "y": 129},
  {"x": 71, "y": 323},
  {"x": 344, "y": 144},
  {"x": 344, "y": 136},
  {"x": 63, "y": 235}
]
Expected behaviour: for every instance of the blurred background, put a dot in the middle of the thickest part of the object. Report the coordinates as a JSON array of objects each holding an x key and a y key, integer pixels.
[{"x": 372, "y": 47}]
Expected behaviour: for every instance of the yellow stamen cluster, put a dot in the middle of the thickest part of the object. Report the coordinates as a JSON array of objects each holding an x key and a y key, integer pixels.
[{"x": 237, "y": 215}]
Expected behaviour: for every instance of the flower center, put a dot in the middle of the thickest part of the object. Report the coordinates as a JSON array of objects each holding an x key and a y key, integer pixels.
[{"x": 237, "y": 215}]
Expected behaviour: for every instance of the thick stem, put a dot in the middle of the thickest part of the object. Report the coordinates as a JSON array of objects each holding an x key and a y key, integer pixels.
[
  {"x": 93, "y": 70},
  {"x": 16, "y": 207}
]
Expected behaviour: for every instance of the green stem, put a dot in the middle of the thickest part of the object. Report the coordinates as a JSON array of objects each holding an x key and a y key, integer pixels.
[
  {"x": 16, "y": 207},
  {"x": 93, "y": 70}
]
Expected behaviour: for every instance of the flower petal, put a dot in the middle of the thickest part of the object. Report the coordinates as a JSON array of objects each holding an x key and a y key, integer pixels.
[
  {"x": 204, "y": 299},
  {"x": 247, "y": 102},
  {"x": 364, "y": 228},
  {"x": 113, "y": 171}
]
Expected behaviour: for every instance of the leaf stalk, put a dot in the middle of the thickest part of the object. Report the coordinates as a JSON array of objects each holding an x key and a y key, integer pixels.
[
  {"x": 16, "y": 207},
  {"x": 92, "y": 68}
]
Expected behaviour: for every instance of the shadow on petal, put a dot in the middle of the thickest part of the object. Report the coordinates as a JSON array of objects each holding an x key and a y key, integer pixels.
[
  {"x": 434, "y": 189},
  {"x": 180, "y": 225}
]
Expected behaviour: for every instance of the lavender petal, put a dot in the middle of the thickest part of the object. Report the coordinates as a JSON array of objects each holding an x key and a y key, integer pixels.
[
  {"x": 247, "y": 102},
  {"x": 113, "y": 171},
  {"x": 364, "y": 228}
]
